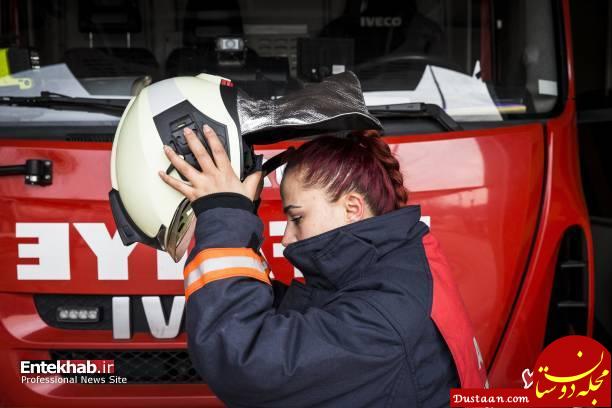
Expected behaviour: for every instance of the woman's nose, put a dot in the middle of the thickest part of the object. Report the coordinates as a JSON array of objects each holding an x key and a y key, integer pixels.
[{"x": 288, "y": 237}]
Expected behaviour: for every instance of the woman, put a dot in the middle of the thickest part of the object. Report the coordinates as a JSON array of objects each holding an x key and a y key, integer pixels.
[{"x": 378, "y": 322}]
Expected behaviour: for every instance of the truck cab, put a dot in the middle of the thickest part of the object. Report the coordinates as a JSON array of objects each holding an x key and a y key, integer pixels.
[{"x": 477, "y": 102}]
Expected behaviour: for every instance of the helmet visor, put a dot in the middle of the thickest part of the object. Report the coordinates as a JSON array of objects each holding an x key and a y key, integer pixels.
[{"x": 180, "y": 232}]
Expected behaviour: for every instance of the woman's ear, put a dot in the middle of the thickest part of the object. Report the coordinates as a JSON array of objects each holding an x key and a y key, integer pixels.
[{"x": 355, "y": 207}]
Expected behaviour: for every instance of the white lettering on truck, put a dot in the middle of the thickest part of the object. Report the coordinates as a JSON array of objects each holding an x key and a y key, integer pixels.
[
  {"x": 111, "y": 253},
  {"x": 156, "y": 320},
  {"x": 167, "y": 269},
  {"x": 160, "y": 329},
  {"x": 53, "y": 251}
]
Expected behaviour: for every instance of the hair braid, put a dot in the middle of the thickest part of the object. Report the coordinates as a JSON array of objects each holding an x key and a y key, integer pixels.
[{"x": 371, "y": 140}]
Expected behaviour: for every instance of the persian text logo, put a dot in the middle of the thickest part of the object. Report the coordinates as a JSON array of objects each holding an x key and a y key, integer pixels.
[{"x": 572, "y": 371}]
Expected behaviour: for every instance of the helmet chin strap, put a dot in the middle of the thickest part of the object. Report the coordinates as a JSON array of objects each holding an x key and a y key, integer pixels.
[{"x": 276, "y": 161}]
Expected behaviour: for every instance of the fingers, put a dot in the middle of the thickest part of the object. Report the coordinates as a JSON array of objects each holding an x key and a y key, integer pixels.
[
  {"x": 178, "y": 185},
  {"x": 252, "y": 184},
  {"x": 199, "y": 151},
  {"x": 217, "y": 148},
  {"x": 212, "y": 179},
  {"x": 181, "y": 165}
]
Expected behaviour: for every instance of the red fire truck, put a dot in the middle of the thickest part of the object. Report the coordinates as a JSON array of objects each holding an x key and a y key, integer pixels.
[{"x": 490, "y": 155}]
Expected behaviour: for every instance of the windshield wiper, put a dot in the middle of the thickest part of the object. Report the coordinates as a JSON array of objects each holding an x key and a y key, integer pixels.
[
  {"x": 416, "y": 110},
  {"x": 57, "y": 101}
]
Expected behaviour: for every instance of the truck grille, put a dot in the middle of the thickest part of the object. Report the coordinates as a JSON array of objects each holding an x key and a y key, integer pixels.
[
  {"x": 569, "y": 299},
  {"x": 141, "y": 367}
]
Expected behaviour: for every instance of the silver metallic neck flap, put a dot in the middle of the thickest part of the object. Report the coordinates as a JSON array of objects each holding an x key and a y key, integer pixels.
[{"x": 336, "y": 104}]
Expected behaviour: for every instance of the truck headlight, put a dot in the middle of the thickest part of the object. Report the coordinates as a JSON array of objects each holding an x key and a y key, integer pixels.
[{"x": 78, "y": 314}]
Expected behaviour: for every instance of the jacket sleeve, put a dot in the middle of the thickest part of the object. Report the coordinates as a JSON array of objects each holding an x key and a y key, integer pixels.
[{"x": 249, "y": 354}]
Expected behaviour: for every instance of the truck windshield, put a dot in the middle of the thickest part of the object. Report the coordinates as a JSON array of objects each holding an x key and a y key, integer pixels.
[{"x": 479, "y": 60}]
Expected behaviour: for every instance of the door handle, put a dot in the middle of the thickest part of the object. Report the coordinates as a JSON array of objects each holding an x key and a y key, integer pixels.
[{"x": 37, "y": 172}]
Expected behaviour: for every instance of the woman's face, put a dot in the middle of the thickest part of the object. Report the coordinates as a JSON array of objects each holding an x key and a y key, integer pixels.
[{"x": 309, "y": 211}]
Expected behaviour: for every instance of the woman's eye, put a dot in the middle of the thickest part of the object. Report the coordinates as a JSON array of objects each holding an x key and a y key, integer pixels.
[{"x": 296, "y": 220}]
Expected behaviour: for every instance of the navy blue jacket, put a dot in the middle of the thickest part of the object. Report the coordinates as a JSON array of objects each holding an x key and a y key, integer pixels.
[{"x": 357, "y": 334}]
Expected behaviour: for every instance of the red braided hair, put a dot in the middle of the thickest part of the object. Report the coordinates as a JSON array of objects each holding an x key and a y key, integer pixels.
[{"x": 361, "y": 162}]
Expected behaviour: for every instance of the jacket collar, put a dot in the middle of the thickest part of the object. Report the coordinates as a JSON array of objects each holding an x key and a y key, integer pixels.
[{"x": 334, "y": 258}]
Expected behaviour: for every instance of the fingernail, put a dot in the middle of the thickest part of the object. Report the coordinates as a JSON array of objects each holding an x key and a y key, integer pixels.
[
  {"x": 206, "y": 128},
  {"x": 187, "y": 131}
]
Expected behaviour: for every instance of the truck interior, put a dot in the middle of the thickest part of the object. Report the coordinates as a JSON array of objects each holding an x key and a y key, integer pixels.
[
  {"x": 479, "y": 60},
  {"x": 593, "y": 65}
]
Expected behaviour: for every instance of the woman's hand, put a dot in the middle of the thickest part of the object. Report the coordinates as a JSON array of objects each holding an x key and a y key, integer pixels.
[{"x": 212, "y": 179}]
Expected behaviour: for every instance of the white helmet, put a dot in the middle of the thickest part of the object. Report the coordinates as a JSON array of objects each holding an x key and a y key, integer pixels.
[
  {"x": 145, "y": 208},
  {"x": 149, "y": 211}
]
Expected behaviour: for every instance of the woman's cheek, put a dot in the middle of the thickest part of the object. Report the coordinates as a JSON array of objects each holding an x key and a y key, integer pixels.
[
  {"x": 304, "y": 230},
  {"x": 299, "y": 234}
]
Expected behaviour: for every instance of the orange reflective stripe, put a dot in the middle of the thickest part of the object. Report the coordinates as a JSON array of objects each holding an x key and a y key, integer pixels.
[
  {"x": 219, "y": 263},
  {"x": 217, "y": 253},
  {"x": 226, "y": 273}
]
